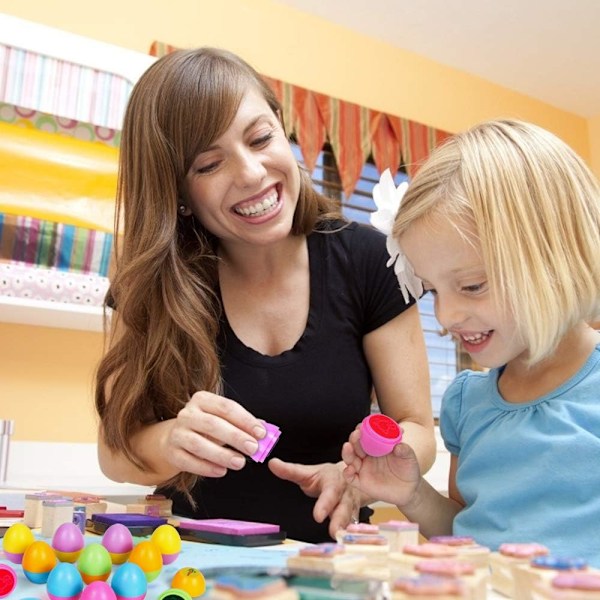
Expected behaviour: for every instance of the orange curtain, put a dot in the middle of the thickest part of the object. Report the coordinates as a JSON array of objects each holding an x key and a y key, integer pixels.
[{"x": 354, "y": 132}]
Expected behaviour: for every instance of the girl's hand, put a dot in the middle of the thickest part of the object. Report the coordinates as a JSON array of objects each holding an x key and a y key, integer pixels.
[
  {"x": 393, "y": 478},
  {"x": 210, "y": 435},
  {"x": 335, "y": 498}
]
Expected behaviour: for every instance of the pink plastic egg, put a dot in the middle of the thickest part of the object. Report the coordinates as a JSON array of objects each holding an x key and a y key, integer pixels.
[
  {"x": 117, "y": 539},
  {"x": 68, "y": 542},
  {"x": 98, "y": 590}
]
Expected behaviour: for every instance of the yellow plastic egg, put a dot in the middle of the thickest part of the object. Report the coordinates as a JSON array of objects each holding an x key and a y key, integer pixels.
[
  {"x": 15, "y": 541},
  {"x": 166, "y": 537},
  {"x": 147, "y": 556}
]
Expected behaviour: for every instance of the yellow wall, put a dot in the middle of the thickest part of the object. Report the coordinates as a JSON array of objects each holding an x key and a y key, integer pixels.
[
  {"x": 46, "y": 382},
  {"x": 45, "y": 375}
]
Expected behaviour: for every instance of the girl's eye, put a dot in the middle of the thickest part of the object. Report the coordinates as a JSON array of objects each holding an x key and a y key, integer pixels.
[{"x": 475, "y": 288}]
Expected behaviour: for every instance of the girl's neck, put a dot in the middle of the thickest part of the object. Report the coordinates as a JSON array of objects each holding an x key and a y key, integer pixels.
[{"x": 522, "y": 383}]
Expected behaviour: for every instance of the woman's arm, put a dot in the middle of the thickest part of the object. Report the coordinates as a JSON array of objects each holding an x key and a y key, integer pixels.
[
  {"x": 210, "y": 435},
  {"x": 397, "y": 357},
  {"x": 150, "y": 445}
]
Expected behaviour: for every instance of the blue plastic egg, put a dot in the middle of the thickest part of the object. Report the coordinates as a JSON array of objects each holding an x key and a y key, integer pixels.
[
  {"x": 129, "y": 582},
  {"x": 64, "y": 582}
]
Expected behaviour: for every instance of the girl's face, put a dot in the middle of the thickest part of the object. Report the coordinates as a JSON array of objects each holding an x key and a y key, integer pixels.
[
  {"x": 245, "y": 187},
  {"x": 451, "y": 268}
]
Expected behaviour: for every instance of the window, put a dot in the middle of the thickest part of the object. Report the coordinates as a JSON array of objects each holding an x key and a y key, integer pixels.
[{"x": 441, "y": 350}]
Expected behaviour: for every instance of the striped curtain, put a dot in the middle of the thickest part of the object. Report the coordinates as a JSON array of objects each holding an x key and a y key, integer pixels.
[{"x": 354, "y": 132}]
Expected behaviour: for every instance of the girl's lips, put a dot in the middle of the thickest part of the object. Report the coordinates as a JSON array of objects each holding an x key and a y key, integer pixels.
[{"x": 475, "y": 342}]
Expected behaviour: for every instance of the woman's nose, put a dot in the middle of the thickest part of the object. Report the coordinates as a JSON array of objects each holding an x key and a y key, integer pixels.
[{"x": 250, "y": 169}]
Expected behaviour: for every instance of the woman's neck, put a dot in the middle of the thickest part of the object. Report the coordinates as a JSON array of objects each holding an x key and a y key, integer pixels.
[{"x": 254, "y": 263}]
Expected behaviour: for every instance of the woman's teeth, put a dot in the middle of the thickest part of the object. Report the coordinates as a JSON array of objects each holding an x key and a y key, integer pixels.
[{"x": 259, "y": 208}]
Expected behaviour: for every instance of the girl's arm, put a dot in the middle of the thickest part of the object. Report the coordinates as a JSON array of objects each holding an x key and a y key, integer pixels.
[
  {"x": 397, "y": 357},
  {"x": 431, "y": 510}
]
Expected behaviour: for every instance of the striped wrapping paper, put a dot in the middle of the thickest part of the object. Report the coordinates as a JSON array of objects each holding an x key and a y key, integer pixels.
[
  {"x": 62, "y": 88},
  {"x": 55, "y": 245}
]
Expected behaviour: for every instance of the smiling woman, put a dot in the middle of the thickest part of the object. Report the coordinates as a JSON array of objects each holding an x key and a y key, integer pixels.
[{"x": 242, "y": 296}]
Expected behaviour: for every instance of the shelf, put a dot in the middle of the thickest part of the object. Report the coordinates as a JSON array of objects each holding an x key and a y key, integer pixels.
[{"x": 43, "y": 313}]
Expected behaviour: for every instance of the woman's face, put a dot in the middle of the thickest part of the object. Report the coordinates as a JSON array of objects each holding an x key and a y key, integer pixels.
[{"x": 244, "y": 188}]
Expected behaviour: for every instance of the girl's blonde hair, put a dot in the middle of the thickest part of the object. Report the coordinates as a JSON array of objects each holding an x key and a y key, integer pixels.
[
  {"x": 535, "y": 207},
  {"x": 165, "y": 280}
]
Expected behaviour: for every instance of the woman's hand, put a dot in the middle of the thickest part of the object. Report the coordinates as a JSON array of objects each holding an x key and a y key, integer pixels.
[
  {"x": 210, "y": 435},
  {"x": 335, "y": 498},
  {"x": 393, "y": 478}
]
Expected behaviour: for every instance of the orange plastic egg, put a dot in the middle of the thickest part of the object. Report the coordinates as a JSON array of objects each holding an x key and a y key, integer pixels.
[
  {"x": 38, "y": 560},
  {"x": 190, "y": 580},
  {"x": 148, "y": 557}
]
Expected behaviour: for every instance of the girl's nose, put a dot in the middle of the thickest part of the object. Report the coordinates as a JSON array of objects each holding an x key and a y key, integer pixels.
[{"x": 449, "y": 310}]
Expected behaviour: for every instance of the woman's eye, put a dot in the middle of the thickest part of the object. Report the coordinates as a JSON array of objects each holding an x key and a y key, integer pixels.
[
  {"x": 262, "y": 140},
  {"x": 207, "y": 168}
]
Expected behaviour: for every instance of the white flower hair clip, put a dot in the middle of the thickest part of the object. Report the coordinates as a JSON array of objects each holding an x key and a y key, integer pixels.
[{"x": 388, "y": 198}]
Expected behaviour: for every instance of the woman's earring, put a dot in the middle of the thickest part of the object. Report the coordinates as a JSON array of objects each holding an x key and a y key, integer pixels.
[{"x": 182, "y": 210}]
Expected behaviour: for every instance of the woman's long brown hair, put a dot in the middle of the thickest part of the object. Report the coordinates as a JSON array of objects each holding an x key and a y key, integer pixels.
[{"x": 164, "y": 285}]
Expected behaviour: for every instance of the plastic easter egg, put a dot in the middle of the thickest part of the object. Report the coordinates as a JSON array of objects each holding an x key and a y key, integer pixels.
[
  {"x": 147, "y": 555},
  {"x": 8, "y": 580},
  {"x": 129, "y": 582},
  {"x": 68, "y": 542},
  {"x": 38, "y": 560},
  {"x": 94, "y": 563},
  {"x": 166, "y": 537},
  {"x": 15, "y": 541},
  {"x": 117, "y": 539},
  {"x": 97, "y": 590},
  {"x": 64, "y": 582},
  {"x": 190, "y": 580}
]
